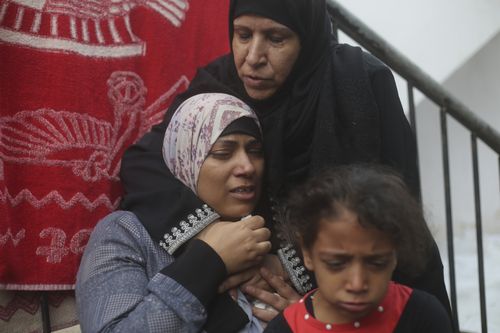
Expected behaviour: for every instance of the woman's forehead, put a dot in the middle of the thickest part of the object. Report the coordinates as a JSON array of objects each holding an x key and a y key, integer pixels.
[
  {"x": 258, "y": 22},
  {"x": 279, "y": 11}
]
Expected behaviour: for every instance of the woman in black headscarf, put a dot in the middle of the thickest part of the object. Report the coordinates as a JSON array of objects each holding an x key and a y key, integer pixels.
[{"x": 320, "y": 104}]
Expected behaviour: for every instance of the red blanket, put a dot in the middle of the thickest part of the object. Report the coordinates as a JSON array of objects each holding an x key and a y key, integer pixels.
[{"x": 81, "y": 80}]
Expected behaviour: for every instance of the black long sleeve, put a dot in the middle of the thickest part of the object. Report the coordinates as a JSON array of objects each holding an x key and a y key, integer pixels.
[{"x": 151, "y": 191}]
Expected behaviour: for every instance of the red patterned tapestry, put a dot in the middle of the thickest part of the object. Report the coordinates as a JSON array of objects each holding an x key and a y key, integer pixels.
[{"x": 80, "y": 80}]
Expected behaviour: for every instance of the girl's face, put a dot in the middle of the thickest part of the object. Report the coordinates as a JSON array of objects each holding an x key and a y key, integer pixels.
[
  {"x": 353, "y": 266},
  {"x": 264, "y": 52},
  {"x": 230, "y": 177}
]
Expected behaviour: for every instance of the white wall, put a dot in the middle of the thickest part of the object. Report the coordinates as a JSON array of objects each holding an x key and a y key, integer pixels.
[{"x": 438, "y": 35}]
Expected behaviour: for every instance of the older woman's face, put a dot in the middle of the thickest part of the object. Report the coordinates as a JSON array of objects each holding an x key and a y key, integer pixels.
[
  {"x": 230, "y": 177},
  {"x": 264, "y": 53}
]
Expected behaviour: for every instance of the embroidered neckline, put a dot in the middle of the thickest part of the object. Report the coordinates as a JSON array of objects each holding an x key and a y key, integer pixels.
[{"x": 186, "y": 230}]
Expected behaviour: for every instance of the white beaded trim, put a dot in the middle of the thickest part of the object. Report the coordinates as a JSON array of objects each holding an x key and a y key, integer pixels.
[
  {"x": 296, "y": 271},
  {"x": 172, "y": 241}
]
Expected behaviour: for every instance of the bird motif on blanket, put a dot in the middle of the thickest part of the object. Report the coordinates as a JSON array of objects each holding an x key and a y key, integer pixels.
[{"x": 86, "y": 144}]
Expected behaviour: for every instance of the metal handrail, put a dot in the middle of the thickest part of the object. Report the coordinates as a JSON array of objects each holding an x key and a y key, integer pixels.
[
  {"x": 376, "y": 45},
  {"x": 449, "y": 105}
]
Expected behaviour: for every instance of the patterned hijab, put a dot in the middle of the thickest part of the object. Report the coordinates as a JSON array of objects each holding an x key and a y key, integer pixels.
[{"x": 195, "y": 126}]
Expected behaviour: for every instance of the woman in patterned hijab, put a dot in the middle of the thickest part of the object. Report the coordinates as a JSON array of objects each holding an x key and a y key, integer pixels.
[{"x": 128, "y": 283}]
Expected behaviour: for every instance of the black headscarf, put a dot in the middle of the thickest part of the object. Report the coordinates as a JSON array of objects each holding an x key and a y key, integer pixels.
[{"x": 323, "y": 114}]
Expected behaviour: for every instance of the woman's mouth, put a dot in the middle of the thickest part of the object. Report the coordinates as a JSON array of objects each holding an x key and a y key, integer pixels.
[
  {"x": 244, "y": 192},
  {"x": 255, "y": 82}
]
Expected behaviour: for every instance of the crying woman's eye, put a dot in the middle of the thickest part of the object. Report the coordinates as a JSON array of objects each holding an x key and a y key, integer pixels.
[{"x": 220, "y": 154}]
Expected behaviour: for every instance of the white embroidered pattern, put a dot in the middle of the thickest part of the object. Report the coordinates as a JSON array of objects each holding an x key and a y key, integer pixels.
[
  {"x": 111, "y": 36},
  {"x": 54, "y": 197},
  {"x": 79, "y": 241},
  {"x": 45, "y": 137},
  {"x": 57, "y": 249},
  {"x": 287, "y": 254},
  {"x": 4, "y": 238},
  {"x": 296, "y": 271}
]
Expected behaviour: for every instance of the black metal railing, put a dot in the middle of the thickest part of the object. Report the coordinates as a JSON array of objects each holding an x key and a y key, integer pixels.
[{"x": 449, "y": 106}]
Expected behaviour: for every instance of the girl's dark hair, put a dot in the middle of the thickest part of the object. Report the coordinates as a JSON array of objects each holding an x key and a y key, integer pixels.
[{"x": 379, "y": 198}]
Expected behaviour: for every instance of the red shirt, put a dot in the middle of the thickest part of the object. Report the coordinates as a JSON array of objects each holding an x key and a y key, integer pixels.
[{"x": 382, "y": 320}]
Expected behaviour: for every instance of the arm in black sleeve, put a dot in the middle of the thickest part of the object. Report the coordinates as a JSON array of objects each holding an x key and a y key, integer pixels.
[
  {"x": 398, "y": 146},
  {"x": 169, "y": 210},
  {"x": 278, "y": 325},
  {"x": 158, "y": 199},
  {"x": 424, "y": 314},
  {"x": 200, "y": 270},
  {"x": 398, "y": 150}
]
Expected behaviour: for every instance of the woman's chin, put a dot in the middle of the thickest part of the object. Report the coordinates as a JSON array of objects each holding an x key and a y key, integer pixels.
[{"x": 259, "y": 94}]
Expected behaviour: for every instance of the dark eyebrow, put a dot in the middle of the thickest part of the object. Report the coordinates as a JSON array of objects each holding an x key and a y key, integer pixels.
[
  {"x": 341, "y": 255},
  {"x": 338, "y": 255},
  {"x": 379, "y": 255},
  {"x": 254, "y": 141},
  {"x": 240, "y": 26},
  {"x": 282, "y": 30}
]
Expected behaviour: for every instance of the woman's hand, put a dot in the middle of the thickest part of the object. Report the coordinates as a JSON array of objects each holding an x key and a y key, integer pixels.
[
  {"x": 240, "y": 244},
  {"x": 278, "y": 301}
]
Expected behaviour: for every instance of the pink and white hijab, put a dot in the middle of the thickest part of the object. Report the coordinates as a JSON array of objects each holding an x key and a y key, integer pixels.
[{"x": 195, "y": 126}]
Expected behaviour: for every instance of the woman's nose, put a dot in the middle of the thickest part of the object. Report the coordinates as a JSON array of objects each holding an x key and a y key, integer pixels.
[
  {"x": 244, "y": 165},
  {"x": 256, "y": 53}
]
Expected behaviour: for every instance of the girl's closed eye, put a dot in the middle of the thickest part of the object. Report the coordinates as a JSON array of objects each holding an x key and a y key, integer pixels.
[
  {"x": 336, "y": 264},
  {"x": 380, "y": 264}
]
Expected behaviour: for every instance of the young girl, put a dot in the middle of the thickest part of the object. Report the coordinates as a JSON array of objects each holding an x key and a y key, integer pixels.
[{"x": 353, "y": 225}]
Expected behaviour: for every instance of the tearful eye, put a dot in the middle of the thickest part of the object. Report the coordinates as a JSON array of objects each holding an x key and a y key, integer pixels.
[
  {"x": 256, "y": 151},
  {"x": 220, "y": 154}
]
